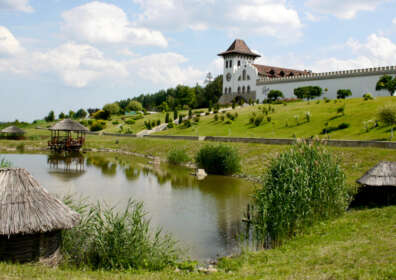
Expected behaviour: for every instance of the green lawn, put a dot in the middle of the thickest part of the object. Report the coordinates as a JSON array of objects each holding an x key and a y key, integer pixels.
[
  {"x": 283, "y": 122},
  {"x": 359, "y": 245}
]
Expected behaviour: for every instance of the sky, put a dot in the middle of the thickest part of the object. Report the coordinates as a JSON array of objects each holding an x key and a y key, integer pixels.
[{"x": 70, "y": 54}]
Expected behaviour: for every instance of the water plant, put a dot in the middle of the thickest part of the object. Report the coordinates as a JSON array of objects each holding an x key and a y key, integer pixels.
[
  {"x": 4, "y": 163},
  {"x": 302, "y": 186},
  {"x": 178, "y": 156},
  {"x": 116, "y": 240},
  {"x": 219, "y": 159}
]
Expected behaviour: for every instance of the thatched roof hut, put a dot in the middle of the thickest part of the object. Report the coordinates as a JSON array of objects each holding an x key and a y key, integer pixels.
[
  {"x": 383, "y": 174},
  {"x": 31, "y": 219},
  {"x": 378, "y": 186},
  {"x": 68, "y": 125},
  {"x": 13, "y": 130}
]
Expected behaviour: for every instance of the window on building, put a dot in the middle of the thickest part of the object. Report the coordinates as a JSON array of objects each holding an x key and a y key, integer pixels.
[
  {"x": 239, "y": 78},
  {"x": 272, "y": 72},
  {"x": 244, "y": 74},
  {"x": 230, "y": 63},
  {"x": 239, "y": 89},
  {"x": 248, "y": 88},
  {"x": 248, "y": 77},
  {"x": 282, "y": 74},
  {"x": 291, "y": 74},
  {"x": 226, "y": 63},
  {"x": 229, "y": 90},
  {"x": 243, "y": 89},
  {"x": 225, "y": 90},
  {"x": 239, "y": 63}
]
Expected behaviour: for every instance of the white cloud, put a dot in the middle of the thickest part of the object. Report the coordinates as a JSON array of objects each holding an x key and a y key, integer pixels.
[
  {"x": 376, "y": 51},
  {"x": 237, "y": 17},
  {"x": 311, "y": 17},
  {"x": 98, "y": 22},
  {"x": 394, "y": 21},
  {"x": 9, "y": 45},
  {"x": 346, "y": 9},
  {"x": 17, "y": 5},
  {"x": 165, "y": 69}
]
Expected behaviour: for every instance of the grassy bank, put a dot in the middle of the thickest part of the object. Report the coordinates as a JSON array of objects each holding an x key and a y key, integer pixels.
[
  {"x": 291, "y": 121},
  {"x": 359, "y": 245}
]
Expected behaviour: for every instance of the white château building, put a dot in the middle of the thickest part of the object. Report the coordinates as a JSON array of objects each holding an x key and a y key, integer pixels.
[{"x": 242, "y": 78}]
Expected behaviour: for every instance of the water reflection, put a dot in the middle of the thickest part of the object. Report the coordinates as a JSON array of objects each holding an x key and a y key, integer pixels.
[{"x": 204, "y": 215}]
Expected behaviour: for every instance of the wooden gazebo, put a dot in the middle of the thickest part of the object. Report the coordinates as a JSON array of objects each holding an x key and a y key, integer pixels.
[
  {"x": 31, "y": 219},
  {"x": 12, "y": 132},
  {"x": 377, "y": 186},
  {"x": 67, "y": 135}
]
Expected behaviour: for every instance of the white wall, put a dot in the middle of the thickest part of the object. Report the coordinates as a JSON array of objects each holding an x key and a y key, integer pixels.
[{"x": 358, "y": 85}]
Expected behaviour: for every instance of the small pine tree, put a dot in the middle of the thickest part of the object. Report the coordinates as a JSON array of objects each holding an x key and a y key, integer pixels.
[
  {"x": 175, "y": 114},
  {"x": 167, "y": 117}
]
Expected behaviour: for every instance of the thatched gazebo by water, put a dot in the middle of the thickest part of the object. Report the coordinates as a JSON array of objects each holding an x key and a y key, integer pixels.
[
  {"x": 378, "y": 186},
  {"x": 67, "y": 142},
  {"x": 13, "y": 132},
  {"x": 31, "y": 219}
]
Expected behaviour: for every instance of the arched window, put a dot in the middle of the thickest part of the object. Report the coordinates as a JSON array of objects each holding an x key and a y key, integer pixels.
[
  {"x": 248, "y": 88},
  {"x": 239, "y": 63},
  {"x": 239, "y": 89},
  {"x": 239, "y": 78},
  {"x": 243, "y": 89},
  {"x": 226, "y": 64},
  {"x": 248, "y": 77},
  {"x": 230, "y": 63},
  {"x": 229, "y": 90},
  {"x": 225, "y": 90},
  {"x": 244, "y": 74}
]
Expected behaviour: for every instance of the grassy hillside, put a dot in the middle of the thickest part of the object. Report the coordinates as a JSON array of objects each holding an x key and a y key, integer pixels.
[
  {"x": 358, "y": 245},
  {"x": 290, "y": 121}
]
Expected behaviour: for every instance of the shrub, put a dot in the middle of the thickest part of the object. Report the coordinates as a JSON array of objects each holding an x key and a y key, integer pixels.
[
  {"x": 222, "y": 118},
  {"x": 367, "y": 96},
  {"x": 153, "y": 123},
  {"x": 4, "y": 163},
  {"x": 387, "y": 115},
  {"x": 258, "y": 120},
  {"x": 97, "y": 125},
  {"x": 147, "y": 124},
  {"x": 175, "y": 114},
  {"x": 304, "y": 185},
  {"x": 274, "y": 95},
  {"x": 178, "y": 156},
  {"x": 170, "y": 125},
  {"x": 111, "y": 239},
  {"x": 167, "y": 117},
  {"x": 308, "y": 92},
  {"x": 180, "y": 118},
  {"x": 113, "y": 122},
  {"x": 112, "y": 108},
  {"x": 134, "y": 106},
  {"x": 326, "y": 100},
  {"x": 269, "y": 119},
  {"x": 341, "y": 110},
  {"x": 343, "y": 93},
  {"x": 158, "y": 122},
  {"x": 196, "y": 119},
  {"x": 186, "y": 123},
  {"x": 101, "y": 115},
  {"x": 216, "y": 117},
  {"x": 220, "y": 159},
  {"x": 138, "y": 117}
]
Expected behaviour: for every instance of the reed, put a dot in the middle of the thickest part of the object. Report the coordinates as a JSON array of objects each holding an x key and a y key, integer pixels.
[
  {"x": 116, "y": 240},
  {"x": 4, "y": 163},
  {"x": 302, "y": 186},
  {"x": 177, "y": 156}
]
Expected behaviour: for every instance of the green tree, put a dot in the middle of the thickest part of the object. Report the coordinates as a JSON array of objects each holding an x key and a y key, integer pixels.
[
  {"x": 81, "y": 114},
  {"x": 388, "y": 83},
  {"x": 274, "y": 95},
  {"x": 135, "y": 106},
  {"x": 112, "y": 108},
  {"x": 343, "y": 93},
  {"x": 308, "y": 92},
  {"x": 387, "y": 116},
  {"x": 50, "y": 117},
  {"x": 61, "y": 116}
]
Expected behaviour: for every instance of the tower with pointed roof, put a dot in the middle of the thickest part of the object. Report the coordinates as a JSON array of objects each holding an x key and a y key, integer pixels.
[{"x": 239, "y": 74}]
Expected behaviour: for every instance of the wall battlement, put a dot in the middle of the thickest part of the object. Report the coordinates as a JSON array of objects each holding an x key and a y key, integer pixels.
[{"x": 330, "y": 75}]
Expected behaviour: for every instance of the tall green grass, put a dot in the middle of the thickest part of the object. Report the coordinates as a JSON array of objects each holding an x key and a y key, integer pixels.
[
  {"x": 219, "y": 159},
  {"x": 113, "y": 240},
  {"x": 302, "y": 186},
  {"x": 4, "y": 163},
  {"x": 177, "y": 156}
]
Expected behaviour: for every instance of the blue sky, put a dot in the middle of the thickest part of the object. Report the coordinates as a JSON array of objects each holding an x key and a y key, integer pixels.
[{"x": 70, "y": 54}]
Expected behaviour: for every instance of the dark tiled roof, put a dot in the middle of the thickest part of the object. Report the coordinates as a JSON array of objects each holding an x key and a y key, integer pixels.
[
  {"x": 383, "y": 174},
  {"x": 239, "y": 47},
  {"x": 276, "y": 72}
]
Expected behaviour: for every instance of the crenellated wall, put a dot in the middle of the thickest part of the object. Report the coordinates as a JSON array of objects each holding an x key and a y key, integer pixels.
[{"x": 359, "y": 81}]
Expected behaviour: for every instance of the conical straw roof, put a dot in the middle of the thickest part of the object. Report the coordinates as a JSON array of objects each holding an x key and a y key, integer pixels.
[
  {"x": 383, "y": 174},
  {"x": 26, "y": 207},
  {"x": 68, "y": 125},
  {"x": 13, "y": 129}
]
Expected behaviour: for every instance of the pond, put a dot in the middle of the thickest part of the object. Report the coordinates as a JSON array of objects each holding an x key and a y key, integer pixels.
[{"x": 205, "y": 216}]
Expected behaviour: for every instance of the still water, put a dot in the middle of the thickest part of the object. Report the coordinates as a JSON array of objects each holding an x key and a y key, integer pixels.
[{"x": 205, "y": 216}]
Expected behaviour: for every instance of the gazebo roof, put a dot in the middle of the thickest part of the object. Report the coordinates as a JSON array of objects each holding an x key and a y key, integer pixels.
[
  {"x": 68, "y": 125},
  {"x": 13, "y": 129},
  {"x": 26, "y": 207},
  {"x": 383, "y": 174}
]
